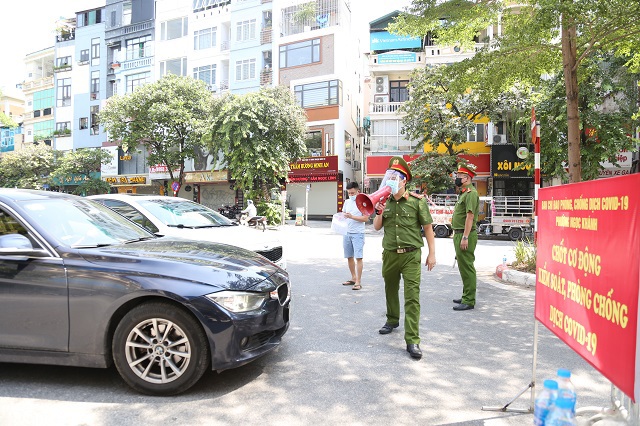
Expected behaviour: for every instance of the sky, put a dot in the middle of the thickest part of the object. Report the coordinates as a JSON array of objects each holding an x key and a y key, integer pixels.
[{"x": 29, "y": 27}]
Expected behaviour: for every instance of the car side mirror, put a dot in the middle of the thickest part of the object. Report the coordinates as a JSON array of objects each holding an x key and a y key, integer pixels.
[{"x": 19, "y": 245}]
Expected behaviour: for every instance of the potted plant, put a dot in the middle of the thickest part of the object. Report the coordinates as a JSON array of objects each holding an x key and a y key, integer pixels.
[{"x": 305, "y": 15}]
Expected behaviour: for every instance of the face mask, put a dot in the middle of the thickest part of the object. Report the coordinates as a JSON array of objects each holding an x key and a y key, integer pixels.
[
  {"x": 458, "y": 182},
  {"x": 393, "y": 184},
  {"x": 352, "y": 197}
]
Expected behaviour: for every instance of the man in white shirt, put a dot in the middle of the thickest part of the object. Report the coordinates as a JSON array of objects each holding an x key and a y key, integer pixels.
[{"x": 353, "y": 242}]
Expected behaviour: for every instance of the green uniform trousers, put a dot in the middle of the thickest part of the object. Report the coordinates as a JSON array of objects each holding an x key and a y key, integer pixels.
[
  {"x": 466, "y": 267},
  {"x": 408, "y": 266}
]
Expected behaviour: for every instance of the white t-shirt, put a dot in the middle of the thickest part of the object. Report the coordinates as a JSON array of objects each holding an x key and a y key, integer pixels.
[
  {"x": 353, "y": 226},
  {"x": 251, "y": 211}
]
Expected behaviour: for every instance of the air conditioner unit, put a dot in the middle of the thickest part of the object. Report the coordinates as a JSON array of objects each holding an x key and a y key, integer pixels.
[
  {"x": 355, "y": 165},
  {"x": 499, "y": 138},
  {"x": 380, "y": 99},
  {"x": 382, "y": 85}
]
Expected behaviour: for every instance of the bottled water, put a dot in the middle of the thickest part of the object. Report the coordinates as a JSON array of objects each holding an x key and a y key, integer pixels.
[
  {"x": 561, "y": 414},
  {"x": 566, "y": 389},
  {"x": 504, "y": 260},
  {"x": 544, "y": 401}
]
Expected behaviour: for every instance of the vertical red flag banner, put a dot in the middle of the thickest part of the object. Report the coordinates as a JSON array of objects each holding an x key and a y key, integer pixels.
[{"x": 588, "y": 273}]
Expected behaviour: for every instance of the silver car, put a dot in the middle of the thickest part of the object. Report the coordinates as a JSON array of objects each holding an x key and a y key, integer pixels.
[{"x": 177, "y": 217}]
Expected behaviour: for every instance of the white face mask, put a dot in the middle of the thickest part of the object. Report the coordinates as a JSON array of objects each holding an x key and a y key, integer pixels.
[
  {"x": 393, "y": 184},
  {"x": 352, "y": 197}
]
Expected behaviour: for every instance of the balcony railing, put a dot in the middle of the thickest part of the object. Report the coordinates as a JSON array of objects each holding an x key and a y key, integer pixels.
[
  {"x": 311, "y": 15},
  {"x": 266, "y": 77},
  {"x": 37, "y": 84},
  {"x": 385, "y": 107}
]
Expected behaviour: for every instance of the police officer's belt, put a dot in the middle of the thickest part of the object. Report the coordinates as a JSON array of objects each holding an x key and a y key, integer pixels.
[{"x": 406, "y": 249}]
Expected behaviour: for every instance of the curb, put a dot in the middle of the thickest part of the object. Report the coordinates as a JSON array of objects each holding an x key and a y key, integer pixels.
[{"x": 504, "y": 274}]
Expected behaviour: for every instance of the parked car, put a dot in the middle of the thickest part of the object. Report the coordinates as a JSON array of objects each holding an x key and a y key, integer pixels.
[
  {"x": 81, "y": 285},
  {"x": 178, "y": 217}
]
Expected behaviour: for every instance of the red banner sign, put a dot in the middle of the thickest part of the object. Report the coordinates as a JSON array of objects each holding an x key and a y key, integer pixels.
[
  {"x": 314, "y": 165},
  {"x": 588, "y": 272}
]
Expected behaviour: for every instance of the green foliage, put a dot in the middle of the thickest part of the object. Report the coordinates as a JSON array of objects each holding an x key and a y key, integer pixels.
[
  {"x": 28, "y": 168},
  {"x": 272, "y": 210},
  {"x": 525, "y": 253},
  {"x": 529, "y": 50},
  {"x": 439, "y": 113},
  {"x": 432, "y": 172},
  {"x": 83, "y": 162},
  {"x": 258, "y": 134},
  {"x": 168, "y": 118}
]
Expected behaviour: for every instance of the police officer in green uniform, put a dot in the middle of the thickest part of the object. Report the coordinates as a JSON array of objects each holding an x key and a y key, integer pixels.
[
  {"x": 402, "y": 214},
  {"x": 465, "y": 237}
]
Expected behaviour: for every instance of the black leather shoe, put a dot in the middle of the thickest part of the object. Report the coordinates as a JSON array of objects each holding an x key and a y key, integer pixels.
[
  {"x": 387, "y": 328},
  {"x": 457, "y": 301},
  {"x": 462, "y": 307},
  {"x": 414, "y": 350}
]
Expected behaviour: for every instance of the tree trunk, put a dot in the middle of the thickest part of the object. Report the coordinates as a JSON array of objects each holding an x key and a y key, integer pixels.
[{"x": 569, "y": 55}]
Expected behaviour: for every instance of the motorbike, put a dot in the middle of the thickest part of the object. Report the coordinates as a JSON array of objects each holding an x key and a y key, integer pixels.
[
  {"x": 230, "y": 212},
  {"x": 257, "y": 222}
]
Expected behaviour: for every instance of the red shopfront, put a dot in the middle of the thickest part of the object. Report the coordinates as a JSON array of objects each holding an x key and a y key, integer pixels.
[{"x": 321, "y": 179}]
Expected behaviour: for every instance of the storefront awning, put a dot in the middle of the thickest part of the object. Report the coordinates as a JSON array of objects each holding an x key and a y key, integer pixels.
[{"x": 377, "y": 164}]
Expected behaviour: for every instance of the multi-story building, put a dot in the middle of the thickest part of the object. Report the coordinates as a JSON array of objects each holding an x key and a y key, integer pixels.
[
  {"x": 129, "y": 34},
  {"x": 392, "y": 58},
  {"x": 12, "y": 106},
  {"x": 318, "y": 60},
  {"x": 38, "y": 88}
]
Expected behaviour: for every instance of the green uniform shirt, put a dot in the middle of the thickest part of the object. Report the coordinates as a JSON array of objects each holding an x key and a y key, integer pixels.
[
  {"x": 468, "y": 201},
  {"x": 402, "y": 221}
]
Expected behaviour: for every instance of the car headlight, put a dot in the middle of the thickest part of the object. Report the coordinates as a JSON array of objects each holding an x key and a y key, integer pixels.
[{"x": 238, "y": 301}]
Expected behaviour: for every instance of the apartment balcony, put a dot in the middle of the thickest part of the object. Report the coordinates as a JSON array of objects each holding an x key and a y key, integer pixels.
[
  {"x": 266, "y": 77},
  {"x": 395, "y": 61},
  {"x": 266, "y": 35},
  {"x": 127, "y": 31},
  {"x": 41, "y": 83},
  {"x": 137, "y": 63},
  {"x": 435, "y": 54},
  {"x": 310, "y": 16},
  {"x": 384, "y": 107}
]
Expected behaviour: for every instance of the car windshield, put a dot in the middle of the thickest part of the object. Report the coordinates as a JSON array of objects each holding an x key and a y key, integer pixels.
[
  {"x": 184, "y": 213},
  {"x": 80, "y": 223}
]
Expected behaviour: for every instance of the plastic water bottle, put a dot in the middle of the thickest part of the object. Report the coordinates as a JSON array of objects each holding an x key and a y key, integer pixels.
[
  {"x": 544, "y": 401},
  {"x": 504, "y": 260},
  {"x": 566, "y": 389},
  {"x": 561, "y": 414}
]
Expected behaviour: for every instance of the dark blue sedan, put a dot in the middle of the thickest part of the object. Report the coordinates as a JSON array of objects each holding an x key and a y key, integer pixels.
[{"x": 81, "y": 285}]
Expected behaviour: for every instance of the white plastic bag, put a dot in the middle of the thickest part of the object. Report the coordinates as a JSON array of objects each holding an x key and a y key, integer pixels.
[{"x": 339, "y": 224}]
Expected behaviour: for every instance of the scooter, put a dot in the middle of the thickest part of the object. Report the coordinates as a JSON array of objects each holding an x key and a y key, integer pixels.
[
  {"x": 258, "y": 222},
  {"x": 230, "y": 212}
]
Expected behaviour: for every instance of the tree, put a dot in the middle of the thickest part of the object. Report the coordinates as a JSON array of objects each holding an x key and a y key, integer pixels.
[
  {"x": 29, "y": 167},
  {"x": 552, "y": 37},
  {"x": 259, "y": 134},
  {"x": 168, "y": 118},
  {"x": 432, "y": 172},
  {"x": 85, "y": 162},
  {"x": 438, "y": 114},
  {"x": 604, "y": 116}
]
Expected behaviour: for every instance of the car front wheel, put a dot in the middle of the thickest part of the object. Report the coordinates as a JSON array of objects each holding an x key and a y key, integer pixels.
[{"x": 160, "y": 349}]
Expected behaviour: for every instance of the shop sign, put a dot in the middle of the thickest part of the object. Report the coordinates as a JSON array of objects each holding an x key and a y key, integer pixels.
[
  {"x": 203, "y": 177},
  {"x": 396, "y": 58},
  {"x": 384, "y": 40},
  {"x": 314, "y": 165},
  {"x": 126, "y": 180},
  {"x": 314, "y": 178},
  {"x": 505, "y": 163}
]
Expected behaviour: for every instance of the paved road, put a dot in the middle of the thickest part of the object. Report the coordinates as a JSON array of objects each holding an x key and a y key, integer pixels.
[{"x": 333, "y": 367}]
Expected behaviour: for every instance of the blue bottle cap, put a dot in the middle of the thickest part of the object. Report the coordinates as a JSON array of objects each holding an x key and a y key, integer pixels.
[
  {"x": 550, "y": 384},
  {"x": 564, "y": 403},
  {"x": 562, "y": 372}
]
